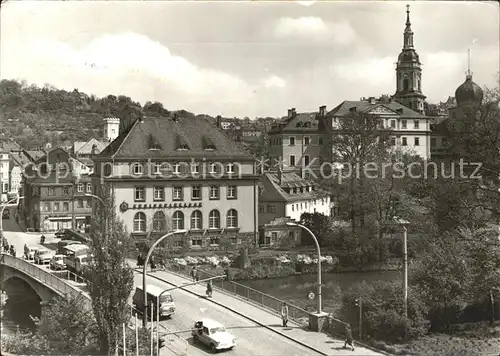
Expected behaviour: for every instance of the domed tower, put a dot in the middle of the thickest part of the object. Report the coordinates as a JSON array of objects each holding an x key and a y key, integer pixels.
[
  {"x": 469, "y": 93},
  {"x": 409, "y": 72}
]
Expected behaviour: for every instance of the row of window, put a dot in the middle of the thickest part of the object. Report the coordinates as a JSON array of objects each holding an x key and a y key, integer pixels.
[
  {"x": 444, "y": 142},
  {"x": 184, "y": 167},
  {"x": 306, "y": 140},
  {"x": 178, "y": 220},
  {"x": 404, "y": 124},
  {"x": 64, "y": 206},
  {"x": 178, "y": 193},
  {"x": 80, "y": 187}
]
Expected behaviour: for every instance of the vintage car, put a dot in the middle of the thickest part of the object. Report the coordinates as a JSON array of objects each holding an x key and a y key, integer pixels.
[
  {"x": 57, "y": 262},
  {"x": 43, "y": 256},
  {"x": 213, "y": 334}
]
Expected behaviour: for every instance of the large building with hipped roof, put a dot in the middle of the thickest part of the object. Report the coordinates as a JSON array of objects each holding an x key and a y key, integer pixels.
[{"x": 180, "y": 173}]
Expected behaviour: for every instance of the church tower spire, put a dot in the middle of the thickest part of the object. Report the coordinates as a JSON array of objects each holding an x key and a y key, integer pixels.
[{"x": 409, "y": 72}]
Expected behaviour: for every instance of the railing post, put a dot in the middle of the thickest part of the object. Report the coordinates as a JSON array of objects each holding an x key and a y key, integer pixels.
[
  {"x": 248, "y": 294},
  {"x": 261, "y": 299},
  {"x": 234, "y": 288}
]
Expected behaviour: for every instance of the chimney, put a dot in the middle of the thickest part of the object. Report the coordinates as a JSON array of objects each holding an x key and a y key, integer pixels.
[
  {"x": 290, "y": 113},
  {"x": 322, "y": 110},
  {"x": 217, "y": 121},
  {"x": 280, "y": 172},
  {"x": 372, "y": 100}
]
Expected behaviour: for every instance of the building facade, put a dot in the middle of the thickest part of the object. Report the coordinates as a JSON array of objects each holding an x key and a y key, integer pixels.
[
  {"x": 181, "y": 173},
  {"x": 54, "y": 189}
]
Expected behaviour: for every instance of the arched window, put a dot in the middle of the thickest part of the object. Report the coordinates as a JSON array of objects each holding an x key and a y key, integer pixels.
[
  {"x": 178, "y": 220},
  {"x": 232, "y": 218},
  {"x": 196, "y": 220},
  {"x": 214, "y": 220},
  {"x": 140, "y": 222},
  {"x": 406, "y": 84},
  {"x": 159, "y": 221}
]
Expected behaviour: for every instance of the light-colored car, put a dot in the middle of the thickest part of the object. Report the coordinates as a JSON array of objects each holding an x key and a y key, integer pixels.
[
  {"x": 57, "y": 262},
  {"x": 43, "y": 256},
  {"x": 213, "y": 334}
]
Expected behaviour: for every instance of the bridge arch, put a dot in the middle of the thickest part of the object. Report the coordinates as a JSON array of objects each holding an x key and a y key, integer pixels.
[{"x": 10, "y": 274}]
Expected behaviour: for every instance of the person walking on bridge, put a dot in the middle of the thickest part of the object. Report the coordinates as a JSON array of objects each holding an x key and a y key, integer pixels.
[
  {"x": 348, "y": 337},
  {"x": 284, "y": 314}
]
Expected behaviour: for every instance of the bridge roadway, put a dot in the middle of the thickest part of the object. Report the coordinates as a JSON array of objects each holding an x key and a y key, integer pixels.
[{"x": 258, "y": 332}]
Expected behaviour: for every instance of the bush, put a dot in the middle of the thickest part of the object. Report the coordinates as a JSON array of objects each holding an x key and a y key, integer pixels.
[{"x": 382, "y": 307}]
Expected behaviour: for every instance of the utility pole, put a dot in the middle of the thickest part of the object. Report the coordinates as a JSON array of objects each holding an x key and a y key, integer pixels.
[{"x": 359, "y": 304}]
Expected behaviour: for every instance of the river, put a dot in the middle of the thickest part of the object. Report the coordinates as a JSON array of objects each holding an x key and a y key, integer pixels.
[{"x": 295, "y": 288}]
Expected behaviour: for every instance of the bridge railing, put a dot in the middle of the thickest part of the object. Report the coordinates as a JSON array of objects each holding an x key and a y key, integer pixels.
[
  {"x": 251, "y": 295},
  {"x": 42, "y": 275}
]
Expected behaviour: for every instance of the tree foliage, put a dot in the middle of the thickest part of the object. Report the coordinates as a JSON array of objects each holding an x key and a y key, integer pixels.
[{"x": 110, "y": 279}]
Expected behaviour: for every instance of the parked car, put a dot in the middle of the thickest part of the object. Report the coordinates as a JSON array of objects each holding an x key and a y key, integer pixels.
[
  {"x": 60, "y": 234},
  {"x": 167, "y": 305},
  {"x": 213, "y": 334},
  {"x": 43, "y": 256},
  {"x": 32, "y": 250},
  {"x": 63, "y": 243},
  {"x": 57, "y": 262},
  {"x": 6, "y": 214}
]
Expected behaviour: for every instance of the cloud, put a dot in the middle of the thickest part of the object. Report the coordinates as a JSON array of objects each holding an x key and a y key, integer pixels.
[
  {"x": 274, "y": 82},
  {"x": 314, "y": 28},
  {"x": 374, "y": 71},
  {"x": 128, "y": 63}
]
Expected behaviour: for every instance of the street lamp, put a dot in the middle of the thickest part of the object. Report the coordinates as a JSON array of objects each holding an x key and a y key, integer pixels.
[
  {"x": 1, "y": 216},
  {"x": 319, "y": 262},
  {"x": 403, "y": 223},
  {"x": 104, "y": 208},
  {"x": 144, "y": 270}
]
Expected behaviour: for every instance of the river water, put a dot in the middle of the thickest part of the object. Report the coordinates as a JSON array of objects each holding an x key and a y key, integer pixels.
[{"x": 296, "y": 288}]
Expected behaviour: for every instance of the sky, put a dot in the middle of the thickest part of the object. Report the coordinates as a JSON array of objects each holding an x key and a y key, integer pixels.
[{"x": 244, "y": 58}]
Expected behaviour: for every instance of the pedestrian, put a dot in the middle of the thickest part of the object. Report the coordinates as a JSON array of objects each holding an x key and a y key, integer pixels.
[
  {"x": 26, "y": 252},
  {"x": 348, "y": 337},
  {"x": 153, "y": 264},
  {"x": 6, "y": 246},
  {"x": 284, "y": 314},
  {"x": 209, "y": 289},
  {"x": 139, "y": 260},
  {"x": 13, "y": 250},
  {"x": 162, "y": 264},
  {"x": 194, "y": 274}
]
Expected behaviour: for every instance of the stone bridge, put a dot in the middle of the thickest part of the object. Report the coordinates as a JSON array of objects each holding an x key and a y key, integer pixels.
[{"x": 43, "y": 283}]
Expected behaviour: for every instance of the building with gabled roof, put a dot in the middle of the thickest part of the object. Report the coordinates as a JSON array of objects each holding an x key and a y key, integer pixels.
[
  {"x": 170, "y": 173},
  {"x": 84, "y": 150}
]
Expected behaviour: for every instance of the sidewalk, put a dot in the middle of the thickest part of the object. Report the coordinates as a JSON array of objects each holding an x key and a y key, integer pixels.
[{"x": 322, "y": 342}]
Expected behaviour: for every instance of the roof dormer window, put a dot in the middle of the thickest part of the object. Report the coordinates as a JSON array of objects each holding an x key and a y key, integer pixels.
[
  {"x": 153, "y": 143},
  {"x": 181, "y": 144},
  {"x": 207, "y": 144}
]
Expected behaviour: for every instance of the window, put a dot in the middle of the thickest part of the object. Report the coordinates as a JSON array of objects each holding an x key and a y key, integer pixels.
[
  {"x": 214, "y": 192},
  {"x": 159, "y": 221},
  {"x": 196, "y": 220},
  {"x": 137, "y": 168},
  {"x": 79, "y": 188},
  {"x": 177, "y": 194},
  {"x": 157, "y": 168},
  {"x": 403, "y": 124},
  {"x": 80, "y": 203},
  {"x": 403, "y": 141},
  {"x": 65, "y": 206},
  {"x": 213, "y": 168},
  {"x": 444, "y": 142},
  {"x": 139, "y": 194},
  {"x": 196, "y": 192},
  {"x": 262, "y": 208},
  {"x": 306, "y": 160},
  {"x": 416, "y": 124},
  {"x": 178, "y": 220},
  {"x": 306, "y": 140},
  {"x": 230, "y": 168},
  {"x": 393, "y": 141},
  {"x": 231, "y": 192},
  {"x": 195, "y": 168},
  {"x": 433, "y": 142},
  {"x": 214, "y": 241},
  {"x": 274, "y": 236},
  {"x": 214, "y": 220},
  {"x": 196, "y": 242},
  {"x": 50, "y": 191},
  {"x": 393, "y": 124},
  {"x": 140, "y": 222},
  {"x": 292, "y": 160},
  {"x": 56, "y": 206},
  {"x": 178, "y": 243},
  {"x": 271, "y": 209},
  {"x": 176, "y": 168},
  {"x": 89, "y": 203},
  {"x": 292, "y": 141},
  {"x": 320, "y": 140},
  {"x": 406, "y": 84},
  {"x": 65, "y": 190},
  {"x": 232, "y": 218},
  {"x": 46, "y": 207},
  {"x": 89, "y": 188},
  {"x": 159, "y": 193},
  {"x": 417, "y": 141}
]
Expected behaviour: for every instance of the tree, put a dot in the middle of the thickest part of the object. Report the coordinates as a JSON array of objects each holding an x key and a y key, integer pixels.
[
  {"x": 319, "y": 224},
  {"x": 110, "y": 279}
]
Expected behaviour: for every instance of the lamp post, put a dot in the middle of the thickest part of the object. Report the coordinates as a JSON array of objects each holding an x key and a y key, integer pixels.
[
  {"x": 1, "y": 217},
  {"x": 403, "y": 223},
  {"x": 104, "y": 208},
  {"x": 144, "y": 270},
  {"x": 319, "y": 260}
]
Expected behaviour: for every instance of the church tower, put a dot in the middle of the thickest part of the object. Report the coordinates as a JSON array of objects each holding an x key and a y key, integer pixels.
[{"x": 409, "y": 72}]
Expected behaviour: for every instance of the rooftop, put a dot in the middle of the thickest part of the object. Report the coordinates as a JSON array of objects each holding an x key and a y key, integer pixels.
[
  {"x": 85, "y": 148},
  {"x": 367, "y": 106},
  {"x": 276, "y": 189},
  {"x": 306, "y": 122}
]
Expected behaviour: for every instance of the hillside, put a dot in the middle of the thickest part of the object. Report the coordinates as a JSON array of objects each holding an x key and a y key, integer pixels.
[{"x": 37, "y": 115}]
